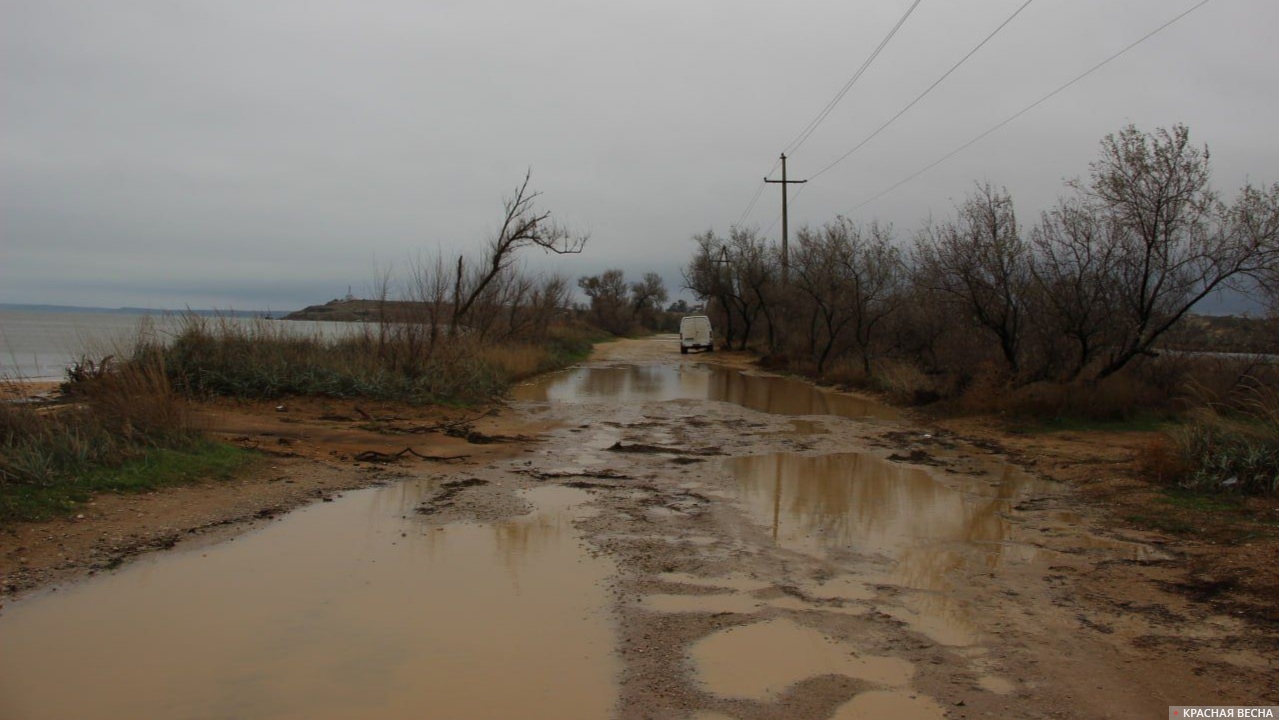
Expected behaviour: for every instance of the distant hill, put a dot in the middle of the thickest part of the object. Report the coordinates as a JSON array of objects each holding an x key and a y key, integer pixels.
[
  {"x": 135, "y": 311},
  {"x": 354, "y": 310}
]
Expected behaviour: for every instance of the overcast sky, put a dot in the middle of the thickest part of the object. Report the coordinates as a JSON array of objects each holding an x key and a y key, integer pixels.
[{"x": 246, "y": 155}]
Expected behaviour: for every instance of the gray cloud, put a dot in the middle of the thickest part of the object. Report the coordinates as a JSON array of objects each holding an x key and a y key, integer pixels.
[{"x": 166, "y": 153}]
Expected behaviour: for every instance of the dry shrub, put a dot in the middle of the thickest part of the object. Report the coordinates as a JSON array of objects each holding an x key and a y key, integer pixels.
[
  {"x": 1120, "y": 397},
  {"x": 271, "y": 360},
  {"x": 1230, "y": 454},
  {"x": 846, "y": 370},
  {"x": 904, "y": 382},
  {"x": 514, "y": 361},
  {"x": 1233, "y": 447},
  {"x": 1230, "y": 383},
  {"x": 134, "y": 400},
  {"x": 1161, "y": 461},
  {"x": 560, "y": 346},
  {"x": 404, "y": 361},
  {"x": 986, "y": 393},
  {"x": 116, "y": 412}
]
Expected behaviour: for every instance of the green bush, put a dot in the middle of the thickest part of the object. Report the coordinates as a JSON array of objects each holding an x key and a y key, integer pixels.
[{"x": 1234, "y": 455}]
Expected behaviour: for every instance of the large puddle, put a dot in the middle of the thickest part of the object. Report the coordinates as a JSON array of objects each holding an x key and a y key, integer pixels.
[
  {"x": 926, "y": 530},
  {"x": 874, "y": 506},
  {"x": 341, "y": 610},
  {"x": 761, "y": 660},
  {"x": 660, "y": 382}
]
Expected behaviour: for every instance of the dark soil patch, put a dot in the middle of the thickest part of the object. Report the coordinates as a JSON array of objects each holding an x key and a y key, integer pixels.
[
  {"x": 642, "y": 448},
  {"x": 445, "y": 496}
]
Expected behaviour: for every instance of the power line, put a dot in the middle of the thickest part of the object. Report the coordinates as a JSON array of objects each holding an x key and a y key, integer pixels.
[
  {"x": 808, "y": 130},
  {"x": 773, "y": 224},
  {"x": 921, "y": 96},
  {"x": 751, "y": 206},
  {"x": 755, "y": 198},
  {"x": 1035, "y": 104},
  {"x": 826, "y": 110}
]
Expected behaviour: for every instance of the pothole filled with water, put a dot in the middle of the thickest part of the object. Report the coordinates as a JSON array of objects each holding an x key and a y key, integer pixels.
[
  {"x": 340, "y": 610},
  {"x": 927, "y": 532},
  {"x": 662, "y": 382},
  {"x": 759, "y": 661}
]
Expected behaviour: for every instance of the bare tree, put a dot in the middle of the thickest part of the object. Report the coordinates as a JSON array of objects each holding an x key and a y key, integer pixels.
[
  {"x": 981, "y": 262},
  {"x": 523, "y": 226},
  {"x": 1256, "y": 217},
  {"x": 647, "y": 297},
  {"x": 607, "y": 292},
  {"x": 816, "y": 266},
  {"x": 708, "y": 277},
  {"x": 1074, "y": 252},
  {"x": 876, "y": 274},
  {"x": 753, "y": 281},
  {"x": 850, "y": 279},
  {"x": 1174, "y": 241},
  {"x": 549, "y": 302}
]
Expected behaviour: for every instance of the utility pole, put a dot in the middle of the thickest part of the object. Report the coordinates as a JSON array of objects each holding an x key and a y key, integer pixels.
[{"x": 785, "y": 225}]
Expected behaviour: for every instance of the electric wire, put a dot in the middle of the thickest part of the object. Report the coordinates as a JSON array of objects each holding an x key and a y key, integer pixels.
[
  {"x": 751, "y": 206},
  {"x": 758, "y": 191},
  {"x": 813, "y": 124},
  {"x": 772, "y": 225},
  {"x": 1033, "y": 105},
  {"x": 922, "y": 95}
]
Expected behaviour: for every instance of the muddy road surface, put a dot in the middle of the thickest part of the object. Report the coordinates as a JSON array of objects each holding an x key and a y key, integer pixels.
[{"x": 689, "y": 539}]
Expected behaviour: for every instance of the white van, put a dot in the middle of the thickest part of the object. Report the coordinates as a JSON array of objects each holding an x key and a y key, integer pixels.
[{"x": 695, "y": 332}]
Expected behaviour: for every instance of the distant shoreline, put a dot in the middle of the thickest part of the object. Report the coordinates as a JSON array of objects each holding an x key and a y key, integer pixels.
[{"x": 22, "y": 307}]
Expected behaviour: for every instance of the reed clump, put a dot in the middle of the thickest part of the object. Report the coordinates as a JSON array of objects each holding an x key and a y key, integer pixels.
[
  {"x": 1232, "y": 449},
  {"x": 114, "y": 417},
  {"x": 402, "y": 361}
]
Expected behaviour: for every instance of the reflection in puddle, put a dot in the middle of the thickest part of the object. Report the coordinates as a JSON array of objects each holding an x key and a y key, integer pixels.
[
  {"x": 800, "y": 426},
  {"x": 870, "y": 506},
  {"x": 759, "y": 661},
  {"x": 330, "y": 613},
  {"x": 653, "y": 383},
  {"x": 859, "y": 502}
]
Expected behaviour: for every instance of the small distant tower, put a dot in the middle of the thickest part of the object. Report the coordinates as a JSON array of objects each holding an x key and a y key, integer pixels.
[{"x": 349, "y": 297}]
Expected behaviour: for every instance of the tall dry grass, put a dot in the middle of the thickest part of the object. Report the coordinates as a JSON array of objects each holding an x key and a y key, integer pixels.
[
  {"x": 113, "y": 414},
  {"x": 272, "y": 360},
  {"x": 395, "y": 361},
  {"x": 1233, "y": 446}
]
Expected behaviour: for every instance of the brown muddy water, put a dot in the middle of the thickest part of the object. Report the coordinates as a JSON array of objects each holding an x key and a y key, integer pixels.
[
  {"x": 923, "y": 530},
  {"x": 660, "y": 382},
  {"x": 341, "y": 610}
]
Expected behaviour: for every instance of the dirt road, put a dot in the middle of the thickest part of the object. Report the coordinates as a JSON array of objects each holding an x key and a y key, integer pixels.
[{"x": 683, "y": 538}]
